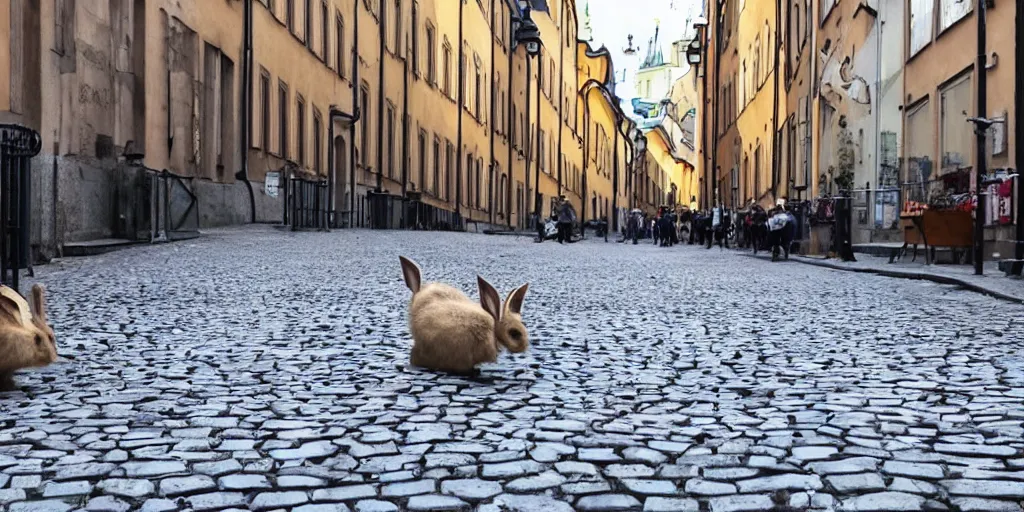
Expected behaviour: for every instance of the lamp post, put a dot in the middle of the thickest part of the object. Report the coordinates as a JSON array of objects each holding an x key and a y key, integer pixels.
[
  {"x": 527, "y": 34},
  {"x": 981, "y": 126},
  {"x": 694, "y": 55},
  {"x": 629, "y": 50}
]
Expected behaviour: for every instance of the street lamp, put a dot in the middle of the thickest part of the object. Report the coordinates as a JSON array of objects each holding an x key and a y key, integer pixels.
[
  {"x": 695, "y": 55},
  {"x": 629, "y": 50},
  {"x": 527, "y": 33}
]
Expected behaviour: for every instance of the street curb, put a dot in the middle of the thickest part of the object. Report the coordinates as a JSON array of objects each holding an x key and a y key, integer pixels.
[{"x": 919, "y": 276}]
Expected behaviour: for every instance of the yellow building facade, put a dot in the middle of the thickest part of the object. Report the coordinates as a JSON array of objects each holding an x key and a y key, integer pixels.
[
  {"x": 669, "y": 177},
  {"x": 873, "y": 99},
  {"x": 426, "y": 102}
]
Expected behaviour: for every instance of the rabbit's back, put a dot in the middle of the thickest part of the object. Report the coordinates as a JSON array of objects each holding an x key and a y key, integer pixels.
[{"x": 449, "y": 331}]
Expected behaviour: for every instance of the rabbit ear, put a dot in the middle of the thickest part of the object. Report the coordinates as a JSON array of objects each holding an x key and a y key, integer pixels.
[
  {"x": 14, "y": 307},
  {"x": 411, "y": 272},
  {"x": 514, "y": 302},
  {"x": 489, "y": 298},
  {"x": 38, "y": 303},
  {"x": 9, "y": 313}
]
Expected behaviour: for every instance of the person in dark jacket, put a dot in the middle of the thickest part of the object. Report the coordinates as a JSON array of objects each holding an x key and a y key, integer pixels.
[{"x": 566, "y": 216}]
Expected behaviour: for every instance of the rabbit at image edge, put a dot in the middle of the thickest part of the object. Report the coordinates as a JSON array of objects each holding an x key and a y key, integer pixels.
[
  {"x": 452, "y": 333},
  {"x": 26, "y": 340}
]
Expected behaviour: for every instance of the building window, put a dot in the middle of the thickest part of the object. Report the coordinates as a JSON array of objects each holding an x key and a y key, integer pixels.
[
  {"x": 479, "y": 182},
  {"x": 462, "y": 74},
  {"x": 325, "y": 33},
  {"x": 309, "y": 24},
  {"x": 421, "y": 143},
  {"x": 318, "y": 141},
  {"x": 477, "y": 91},
  {"x": 918, "y": 151},
  {"x": 265, "y": 109},
  {"x": 955, "y": 137},
  {"x": 364, "y": 122},
  {"x": 282, "y": 119},
  {"x": 551, "y": 81},
  {"x": 952, "y": 11},
  {"x": 339, "y": 30},
  {"x": 540, "y": 75},
  {"x": 541, "y": 161},
  {"x": 499, "y": 27},
  {"x": 63, "y": 28},
  {"x": 289, "y": 15},
  {"x": 300, "y": 128},
  {"x": 467, "y": 198},
  {"x": 436, "y": 185},
  {"x": 398, "y": 27},
  {"x": 431, "y": 56},
  {"x": 921, "y": 16},
  {"x": 389, "y": 136},
  {"x": 449, "y": 169},
  {"x": 415, "y": 38},
  {"x": 446, "y": 69}
]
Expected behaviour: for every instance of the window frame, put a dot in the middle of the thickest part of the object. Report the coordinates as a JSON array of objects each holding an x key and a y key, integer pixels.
[
  {"x": 265, "y": 109},
  {"x": 283, "y": 100},
  {"x": 300, "y": 129}
]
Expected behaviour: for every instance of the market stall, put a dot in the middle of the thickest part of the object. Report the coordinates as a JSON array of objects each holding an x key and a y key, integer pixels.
[{"x": 945, "y": 219}]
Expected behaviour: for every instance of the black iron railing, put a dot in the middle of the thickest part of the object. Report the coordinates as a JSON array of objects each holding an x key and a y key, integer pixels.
[
  {"x": 174, "y": 208},
  {"x": 307, "y": 205},
  {"x": 18, "y": 145}
]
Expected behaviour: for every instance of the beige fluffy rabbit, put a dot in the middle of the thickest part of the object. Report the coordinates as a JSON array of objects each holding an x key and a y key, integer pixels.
[
  {"x": 26, "y": 340},
  {"x": 452, "y": 333}
]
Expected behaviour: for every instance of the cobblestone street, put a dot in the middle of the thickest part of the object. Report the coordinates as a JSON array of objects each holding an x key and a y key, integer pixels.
[{"x": 266, "y": 370}]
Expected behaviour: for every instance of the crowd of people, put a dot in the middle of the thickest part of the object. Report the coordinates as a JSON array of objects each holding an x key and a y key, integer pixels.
[{"x": 755, "y": 227}]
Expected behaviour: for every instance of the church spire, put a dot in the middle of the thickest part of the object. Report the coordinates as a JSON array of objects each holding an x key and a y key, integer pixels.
[
  {"x": 654, "y": 57},
  {"x": 587, "y": 34}
]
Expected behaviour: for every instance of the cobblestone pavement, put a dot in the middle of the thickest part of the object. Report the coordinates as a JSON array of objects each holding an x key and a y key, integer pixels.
[{"x": 267, "y": 370}]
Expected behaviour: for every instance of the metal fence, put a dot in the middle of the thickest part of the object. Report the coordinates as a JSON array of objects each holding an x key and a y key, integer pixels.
[
  {"x": 424, "y": 216},
  {"x": 306, "y": 204},
  {"x": 17, "y": 147},
  {"x": 174, "y": 208}
]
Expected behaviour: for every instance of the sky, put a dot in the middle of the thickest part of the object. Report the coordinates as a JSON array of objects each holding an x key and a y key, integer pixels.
[{"x": 612, "y": 21}]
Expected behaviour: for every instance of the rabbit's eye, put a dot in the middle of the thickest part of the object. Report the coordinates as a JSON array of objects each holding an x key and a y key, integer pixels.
[
  {"x": 515, "y": 334},
  {"x": 39, "y": 339}
]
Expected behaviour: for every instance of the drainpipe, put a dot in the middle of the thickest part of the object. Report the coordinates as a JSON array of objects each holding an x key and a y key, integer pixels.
[
  {"x": 714, "y": 143},
  {"x": 878, "y": 104},
  {"x": 561, "y": 99},
  {"x": 528, "y": 127},
  {"x": 510, "y": 123},
  {"x": 380, "y": 98},
  {"x": 811, "y": 113},
  {"x": 335, "y": 113},
  {"x": 462, "y": 102},
  {"x": 536, "y": 188},
  {"x": 615, "y": 182},
  {"x": 352, "y": 126},
  {"x": 980, "y": 128},
  {"x": 491, "y": 192},
  {"x": 775, "y": 106},
  {"x": 246, "y": 113},
  {"x": 1018, "y": 138},
  {"x": 586, "y": 154},
  {"x": 405, "y": 133}
]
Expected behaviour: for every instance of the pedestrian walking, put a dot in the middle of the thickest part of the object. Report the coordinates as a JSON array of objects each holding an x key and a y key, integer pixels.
[{"x": 566, "y": 217}]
